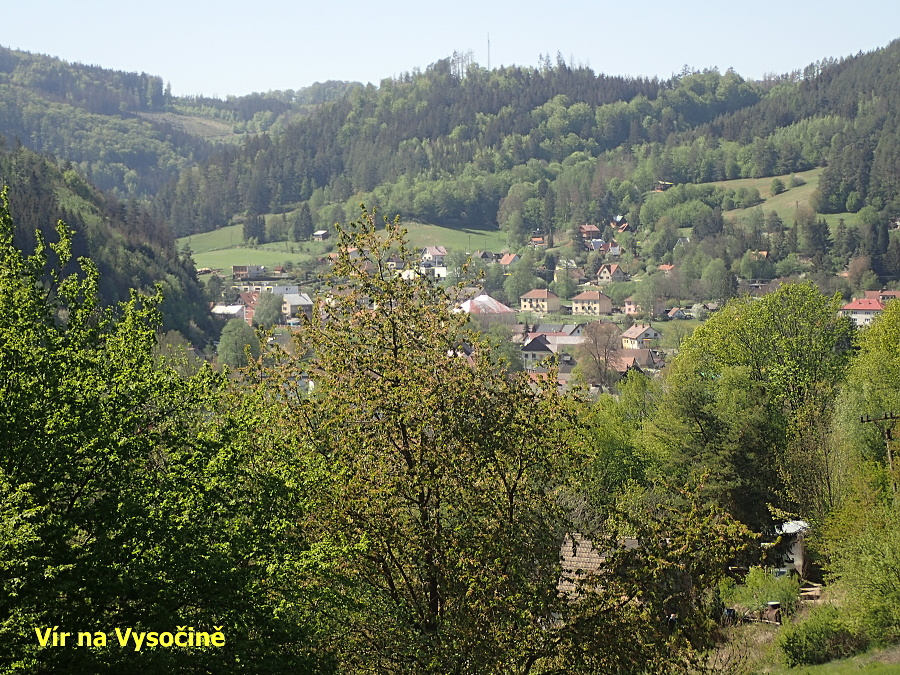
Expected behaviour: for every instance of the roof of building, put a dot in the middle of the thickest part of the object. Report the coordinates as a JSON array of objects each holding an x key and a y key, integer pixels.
[
  {"x": 435, "y": 250},
  {"x": 591, "y": 295},
  {"x": 227, "y": 310},
  {"x": 539, "y": 294},
  {"x": 485, "y": 304},
  {"x": 509, "y": 258},
  {"x": 297, "y": 299},
  {"x": 864, "y": 304},
  {"x": 881, "y": 295},
  {"x": 537, "y": 344},
  {"x": 637, "y": 330}
]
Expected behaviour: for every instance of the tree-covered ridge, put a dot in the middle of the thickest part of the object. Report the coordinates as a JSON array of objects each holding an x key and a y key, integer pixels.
[
  {"x": 566, "y": 146},
  {"x": 126, "y": 131},
  {"x": 131, "y": 249}
]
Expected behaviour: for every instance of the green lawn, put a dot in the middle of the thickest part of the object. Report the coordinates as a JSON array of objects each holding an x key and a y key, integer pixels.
[
  {"x": 879, "y": 662},
  {"x": 787, "y": 203},
  {"x": 422, "y": 234},
  {"x": 223, "y": 248}
]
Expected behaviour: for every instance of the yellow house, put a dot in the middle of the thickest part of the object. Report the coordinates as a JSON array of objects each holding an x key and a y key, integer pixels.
[
  {"x": 593, "y": 303},
  {"x": 540, "y": 300}
]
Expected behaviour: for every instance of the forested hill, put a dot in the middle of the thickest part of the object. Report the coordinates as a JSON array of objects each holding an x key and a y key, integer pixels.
[
  {"x": 130, "y": 248},
  {"x": 125, "y": 131},
  {"x": 556, "y": 145}
]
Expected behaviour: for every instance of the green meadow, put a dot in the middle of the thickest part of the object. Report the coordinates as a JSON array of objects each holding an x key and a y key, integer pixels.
[{"x": 223, "y": 248}]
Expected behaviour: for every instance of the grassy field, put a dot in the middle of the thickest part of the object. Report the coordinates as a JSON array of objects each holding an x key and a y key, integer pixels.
[
  {"x": 223, "y": 248},
  {"x": 751, "y": 650},
  {"x": 787, "y": 203}
]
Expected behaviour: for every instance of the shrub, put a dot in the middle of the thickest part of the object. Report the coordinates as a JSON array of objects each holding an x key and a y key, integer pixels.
[
  {"x": 760, "y": 588},
  {"x": 823, "y": 636}
]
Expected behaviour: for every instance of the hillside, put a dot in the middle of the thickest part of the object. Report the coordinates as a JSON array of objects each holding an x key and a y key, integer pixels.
[
  {"x": 125, "y": 131},
  {"x": 130, "y": 248}
]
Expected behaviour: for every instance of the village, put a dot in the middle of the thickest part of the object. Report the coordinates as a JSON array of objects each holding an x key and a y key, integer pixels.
[{"x": 608, "y": 339}]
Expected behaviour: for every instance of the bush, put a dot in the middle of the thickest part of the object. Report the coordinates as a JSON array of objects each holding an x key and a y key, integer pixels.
[
  {"x": 823, "y": 636},
  {"x": 760, "y": 588}
]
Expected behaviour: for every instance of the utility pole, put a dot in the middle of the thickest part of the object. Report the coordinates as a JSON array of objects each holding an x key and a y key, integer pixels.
[{"x": 888, "y": 420}]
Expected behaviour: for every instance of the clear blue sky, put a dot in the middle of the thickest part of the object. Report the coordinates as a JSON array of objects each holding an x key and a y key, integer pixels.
[{"x": 228, "y": 47}]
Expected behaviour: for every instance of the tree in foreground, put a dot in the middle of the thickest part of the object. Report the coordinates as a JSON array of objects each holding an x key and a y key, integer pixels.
[
  {"x": 127, "y": 496},
  {"x": 445, "y": 489}
]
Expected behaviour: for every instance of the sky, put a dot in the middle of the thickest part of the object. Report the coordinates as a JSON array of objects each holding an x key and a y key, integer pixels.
[{"x": 235, "y": 48}]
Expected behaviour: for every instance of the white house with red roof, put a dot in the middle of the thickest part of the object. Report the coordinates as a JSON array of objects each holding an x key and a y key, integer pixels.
[
  {"x": 862, "y": 311},
  {"x": 507, "y": 260},
  {"x": 611, "y": 272},
  {"x": 639, "y": 336},
  {"x": 434, "y": 255}
]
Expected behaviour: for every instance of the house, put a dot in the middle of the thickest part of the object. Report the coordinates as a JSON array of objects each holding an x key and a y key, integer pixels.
[
  {"x": 320, "y": 235},
  {"x": 507, "y": 260},
  {"x": 881, "y": 295},
  {"x": 676, "y": 313},
  {"x": 593, "y": 303},
  {"x": 433, "y": 270},
  {"x": 863, "y": 311},
  {"x": 607, "y": 248},
  {"x": 575, "y": 329},
  {"x": 484, "y": 256},
  {"x": 248, "y": 300},
  {"x": 294, "y": 304},
  {"x": 435, "y": 255},
  {"x": 535, "y": 350},
  {"x": 264, "y": 287},
  {"x": 540, "y": 300},
  {"x": 619, "y": 224},
  {"x": 582, "y": 564},
  {"x": 643, "y": 360},
  {"x": 611, "y": 272},
  {"x": 569, "y": 268},
  {"x": 665, "y": 269},
  {"x": 639, "y": 336},
  {"x": 247, "y": 271},
  {"x": 682, "y": 241},
  {"x": 589, "y": 232},
  {"x": 539, "y": 241}
]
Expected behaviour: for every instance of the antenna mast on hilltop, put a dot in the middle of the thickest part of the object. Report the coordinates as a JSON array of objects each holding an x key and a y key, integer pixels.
[{"x": 489, "y": 52}]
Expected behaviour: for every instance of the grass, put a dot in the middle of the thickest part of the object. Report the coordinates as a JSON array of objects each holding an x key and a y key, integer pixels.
[
  {"x": 223, "y": 248},
  {"x": 468, "y": 239},
  {"x": 877, "y": 662},
  {"x": 786, "y": 203},
  {"x": 751, "y": 650}
]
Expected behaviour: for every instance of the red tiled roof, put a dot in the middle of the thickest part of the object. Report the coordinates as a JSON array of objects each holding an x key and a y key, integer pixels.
[
  {"x": 540, "y": 293},
  {"x": 636, "y": 330},
  {"x": 864, "y": 304},
  {"x": 590, "y": 295}
]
